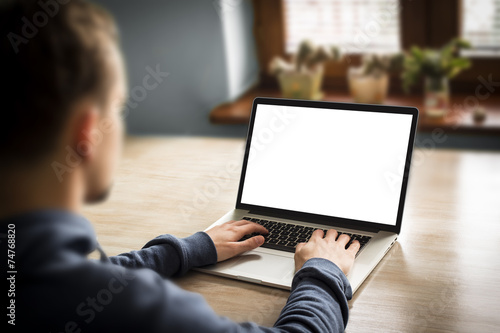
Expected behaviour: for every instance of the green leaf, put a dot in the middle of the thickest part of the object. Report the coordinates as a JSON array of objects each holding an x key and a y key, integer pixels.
[
  {"x": 434, "y": 63},
  {"x": 463, "y": 44},
  {"x": 417, "y": 52},
  {"x": 457, "y": 65}
]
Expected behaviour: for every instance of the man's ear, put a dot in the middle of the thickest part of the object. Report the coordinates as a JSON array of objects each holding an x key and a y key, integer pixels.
[{"x": 86, "y": 123}]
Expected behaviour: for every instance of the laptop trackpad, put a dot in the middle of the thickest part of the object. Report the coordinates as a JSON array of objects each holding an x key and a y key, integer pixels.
[{"x": 264, "y": 264}]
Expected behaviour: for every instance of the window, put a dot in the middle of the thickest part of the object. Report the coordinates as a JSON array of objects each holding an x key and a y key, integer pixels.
[
  {"x": 481, "y": 26},
  {"x": 383, "y": 26},
  {"x": 356, "y": 26}
]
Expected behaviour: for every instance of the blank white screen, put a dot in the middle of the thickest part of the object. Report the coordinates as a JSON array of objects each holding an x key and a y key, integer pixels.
[{"x": 339, "y": 163}]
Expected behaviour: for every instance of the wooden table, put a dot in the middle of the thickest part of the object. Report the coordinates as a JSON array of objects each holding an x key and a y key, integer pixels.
[
  {"x": 458, "y": 120},
  {"x": 443, "y": 274}
]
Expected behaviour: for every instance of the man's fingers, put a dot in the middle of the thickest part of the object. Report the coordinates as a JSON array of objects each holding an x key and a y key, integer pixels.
[
  {"x": 331, "y": 234},
  {"x": 250, "y": 227},
  {"x": 299, "y": 246},
  {"x": 249, "y": 244},
  {"x": 354, "y": 247},
  {"x": 317, "y": 234},
  {"x": 343, "y": 239},
  {"x": 241, "y": 222}
]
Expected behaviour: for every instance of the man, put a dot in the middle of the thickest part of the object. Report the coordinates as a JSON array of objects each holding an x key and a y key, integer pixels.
[{"x": 63, "y": 85}]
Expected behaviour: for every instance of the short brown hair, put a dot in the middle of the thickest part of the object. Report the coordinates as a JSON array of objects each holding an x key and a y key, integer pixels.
[{"x": 54, "y": 52}]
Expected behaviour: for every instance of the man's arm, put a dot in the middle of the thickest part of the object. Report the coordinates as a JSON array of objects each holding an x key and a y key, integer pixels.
[
  {"x": 100, "y": 297},
  {"x": 171, "y": 256},
  {"x": 317, "y": 303}
]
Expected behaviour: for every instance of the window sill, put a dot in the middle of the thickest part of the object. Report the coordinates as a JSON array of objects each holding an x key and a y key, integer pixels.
[{"x": 457, "y": 121}]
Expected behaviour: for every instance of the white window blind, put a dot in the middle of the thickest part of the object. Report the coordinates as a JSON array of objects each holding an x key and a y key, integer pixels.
[
  {"x": 356, "y": 26},
  {"x": 481, "y": 27}
]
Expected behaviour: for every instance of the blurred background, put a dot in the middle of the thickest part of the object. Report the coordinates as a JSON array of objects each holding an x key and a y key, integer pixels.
[{"x": 440, "y": 56}]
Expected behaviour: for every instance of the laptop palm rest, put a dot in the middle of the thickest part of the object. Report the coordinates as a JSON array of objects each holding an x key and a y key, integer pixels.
[{"x": 258, "y": 267}]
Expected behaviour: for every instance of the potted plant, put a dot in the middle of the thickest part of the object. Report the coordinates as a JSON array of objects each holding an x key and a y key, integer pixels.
[
  {"x": 302, "y": 77},
  {"x": 369, "y": 82},
  {"x": 437, "y": 67}
]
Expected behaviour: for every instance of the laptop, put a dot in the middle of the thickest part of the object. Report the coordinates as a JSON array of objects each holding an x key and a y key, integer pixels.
[{"x": 320, "y": 165}]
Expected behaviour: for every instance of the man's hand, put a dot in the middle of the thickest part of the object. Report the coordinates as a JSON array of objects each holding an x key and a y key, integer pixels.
[
  {"x": 227, "y": 235},
  {"x": 327, "y": 248}
]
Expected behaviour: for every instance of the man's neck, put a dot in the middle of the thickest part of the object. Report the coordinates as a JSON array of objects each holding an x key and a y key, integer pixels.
[{"x": 24, "y": 189}]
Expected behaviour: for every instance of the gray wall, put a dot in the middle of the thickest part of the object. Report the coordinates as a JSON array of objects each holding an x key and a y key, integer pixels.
[{"x": 186, "y": 39}]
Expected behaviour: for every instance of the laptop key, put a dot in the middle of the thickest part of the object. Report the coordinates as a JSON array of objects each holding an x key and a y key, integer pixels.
[{"x": 285, "y": 237}]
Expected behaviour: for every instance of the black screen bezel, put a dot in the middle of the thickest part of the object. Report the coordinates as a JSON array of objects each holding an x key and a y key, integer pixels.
[{"x": 323, "y": 219}]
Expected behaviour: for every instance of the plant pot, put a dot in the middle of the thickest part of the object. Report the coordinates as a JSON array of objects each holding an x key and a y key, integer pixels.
[
  {"x": 437, "y": 96},
  {"x": 368, "y": 89},
  {"x": 300, "y": 85}
]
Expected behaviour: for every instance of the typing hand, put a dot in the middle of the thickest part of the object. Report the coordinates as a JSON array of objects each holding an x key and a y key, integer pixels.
[
  {"x": 227, "y": 235},
  {"x": 327, "y": 248}
]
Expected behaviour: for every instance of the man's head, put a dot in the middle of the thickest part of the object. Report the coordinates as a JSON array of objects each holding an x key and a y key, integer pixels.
[{"x": 63, "y": 86}]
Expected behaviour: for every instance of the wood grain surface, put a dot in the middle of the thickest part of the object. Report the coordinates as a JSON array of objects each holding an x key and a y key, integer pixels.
[{"x": 443, "y": 274}]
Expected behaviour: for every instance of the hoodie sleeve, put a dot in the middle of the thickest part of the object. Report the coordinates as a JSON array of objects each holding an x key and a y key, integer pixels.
[
  {"x": 171, "y": 256},
  {"x": 146, "y": 302}
]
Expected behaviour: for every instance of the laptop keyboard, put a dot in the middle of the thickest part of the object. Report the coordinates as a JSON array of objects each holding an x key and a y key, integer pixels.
[{"x": 286, "y": 236}]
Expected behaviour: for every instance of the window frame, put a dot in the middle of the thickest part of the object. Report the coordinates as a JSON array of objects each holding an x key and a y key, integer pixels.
[
  {"x": 425, "y": 23},
  {"x": 472, "y": 56},
  {"x": 362, "y": 29}
]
